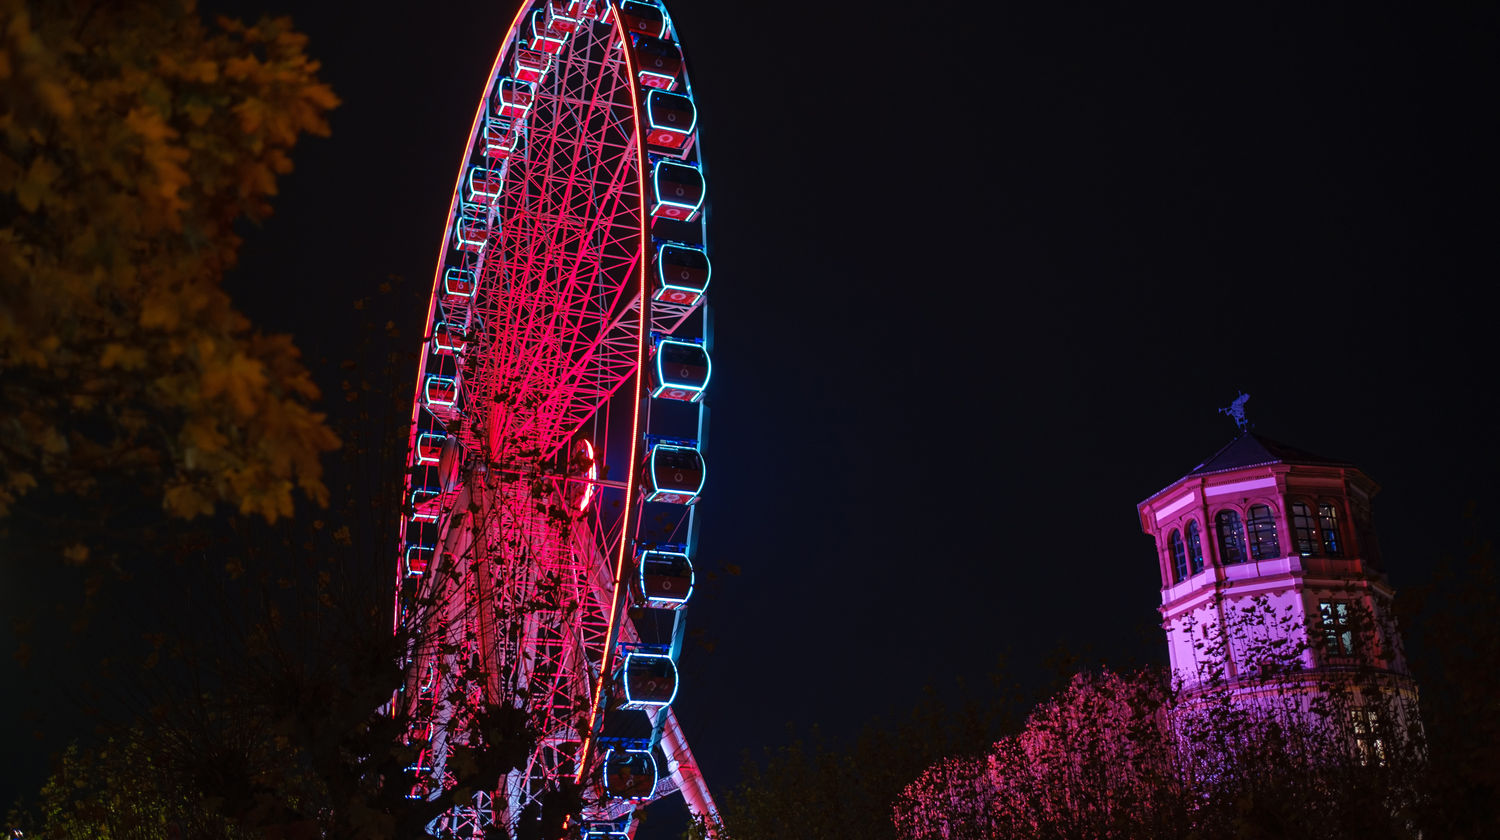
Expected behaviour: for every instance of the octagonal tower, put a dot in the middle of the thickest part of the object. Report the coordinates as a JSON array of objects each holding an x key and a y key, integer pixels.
[{"x": 1267, "y": 554}]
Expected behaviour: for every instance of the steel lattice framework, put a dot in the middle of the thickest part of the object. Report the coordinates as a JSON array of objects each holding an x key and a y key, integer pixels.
[{"x": 567, "y": 334}]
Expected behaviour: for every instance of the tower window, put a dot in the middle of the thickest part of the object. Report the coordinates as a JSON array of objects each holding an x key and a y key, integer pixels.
[
  {"x": 1338, "y": 635},
  {"x": 1328, "y": 522},
  {"x": 1231, "y": 537},
  {"x": 1369, "y": 746},
  {"x": 1304, "y": 529},
  {"x": 1179, "y": 558},
  {"x": 1262, "y": 526},
  {"x": 1195, "y": 546}
]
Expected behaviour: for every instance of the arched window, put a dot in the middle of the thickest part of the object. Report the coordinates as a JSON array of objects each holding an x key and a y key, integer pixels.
[
  {"x": 1262, "y": 527},
  {"x": 1231, "y": 537},
  {"x": 1304, "y": 529},
  {"x": 1328, "y": 522},
  {"x": 1195, "y": 546},
  {"x": 1179, "y": 557}
]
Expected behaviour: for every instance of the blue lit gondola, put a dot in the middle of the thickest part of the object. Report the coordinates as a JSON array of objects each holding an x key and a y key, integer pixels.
[
  {"x": 484, "y": 185},
  {"x": 665, "y": 578},
  {"x": 658, "y": 61},
  {"x": 440, "y": 395},
  {"x": 673, "y": 474},
  {"x": 677, "y": 191},
  {"x": 643, "y": 18},
  {"x": 544, "y": 36},
  {"x": 424, "y": 507},
  {"x": 501, "y": 134},
  {"x": 616, "y": 830},
  {"x": 649, "y": 678},
  {"x": 458, "y": 285},
  {"x": 429, "y": 447},
  {"x": 680, "y": 371},
  {"x": 441, "y": 392},
  {"x": 513, "y": 98},
  {"x": 682, "y": 274},
  {"x": 471, "y": 230},
  {"x": 562, "y": 15},
  {"x": 530, "y": 65},
  {"x": 448, "y": 338},
  {"x": 418, "y": 558},
  {"x": 629, "y": 774},
  {"x": 670, "y": 119}
]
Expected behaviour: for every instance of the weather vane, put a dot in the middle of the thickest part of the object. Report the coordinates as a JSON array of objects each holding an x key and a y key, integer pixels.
[{"x": 1236, "y": 410}]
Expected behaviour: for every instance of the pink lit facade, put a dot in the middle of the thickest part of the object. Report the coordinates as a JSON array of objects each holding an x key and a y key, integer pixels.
[{"x": 1261, "y": 529}]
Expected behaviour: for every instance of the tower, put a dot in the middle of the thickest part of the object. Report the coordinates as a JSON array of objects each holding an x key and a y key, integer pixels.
[{"x": 1271, "y": 581}]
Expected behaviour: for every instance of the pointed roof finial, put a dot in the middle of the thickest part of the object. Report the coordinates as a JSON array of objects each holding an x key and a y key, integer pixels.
[{"x": 1236, "y": 410}]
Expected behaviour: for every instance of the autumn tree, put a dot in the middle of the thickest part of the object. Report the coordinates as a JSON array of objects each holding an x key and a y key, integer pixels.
[{"x": 133, "y": 139}]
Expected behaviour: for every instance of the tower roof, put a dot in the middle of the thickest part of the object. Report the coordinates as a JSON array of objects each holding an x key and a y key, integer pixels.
[{"x": 1253, "y": 450}]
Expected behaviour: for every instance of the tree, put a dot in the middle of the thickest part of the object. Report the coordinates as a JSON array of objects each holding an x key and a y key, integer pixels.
[
  {"x": 133, "y": 140},
  {"x": 1275, "y": 751},
  {"x": 1112, "y": 757},
  {"x": 1088, "y": 763}
]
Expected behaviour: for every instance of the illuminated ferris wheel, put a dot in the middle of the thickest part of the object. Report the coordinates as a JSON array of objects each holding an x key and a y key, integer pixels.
[{"x": 547, "y": 547}]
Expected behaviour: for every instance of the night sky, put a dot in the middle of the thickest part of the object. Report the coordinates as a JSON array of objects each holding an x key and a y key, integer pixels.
[{"x": 984, "y": 273}]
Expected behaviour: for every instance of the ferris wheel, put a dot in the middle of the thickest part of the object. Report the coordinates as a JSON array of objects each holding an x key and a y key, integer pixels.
[{"x": 548, "y": 542}]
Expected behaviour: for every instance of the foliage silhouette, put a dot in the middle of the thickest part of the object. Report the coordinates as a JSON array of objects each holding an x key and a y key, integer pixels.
[{"x": 134, "y": 139}]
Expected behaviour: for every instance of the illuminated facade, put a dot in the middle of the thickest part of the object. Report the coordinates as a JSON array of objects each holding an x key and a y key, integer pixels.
[{"x": 1271, "y": 575}]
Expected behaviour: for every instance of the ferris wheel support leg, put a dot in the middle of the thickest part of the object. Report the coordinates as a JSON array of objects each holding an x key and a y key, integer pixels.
[{"x": 685, "y": 773}]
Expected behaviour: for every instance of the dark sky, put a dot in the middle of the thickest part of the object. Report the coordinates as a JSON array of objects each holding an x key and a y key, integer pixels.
[{"x": 983, "y": 275}]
